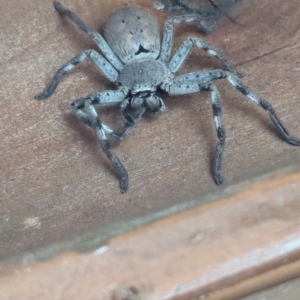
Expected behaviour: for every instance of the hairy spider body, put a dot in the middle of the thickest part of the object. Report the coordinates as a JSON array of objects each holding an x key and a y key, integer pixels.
[
  {"x": 141, "y": 66},
  {"x": 143, "y": 76}
]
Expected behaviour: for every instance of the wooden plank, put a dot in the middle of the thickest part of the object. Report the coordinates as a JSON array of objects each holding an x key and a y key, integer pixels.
[
  {"x": 220, "y": 251},
  {"x": 54, "y": 180}
]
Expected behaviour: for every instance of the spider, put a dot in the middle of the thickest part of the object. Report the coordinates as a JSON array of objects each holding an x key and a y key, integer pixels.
[{"x": 142, "y": 69}]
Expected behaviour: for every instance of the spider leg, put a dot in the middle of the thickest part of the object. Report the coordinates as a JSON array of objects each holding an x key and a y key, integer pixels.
[
  {"x": 200, "y": 76},
  {"x": 217, "y": 114},
  {"x": 102, "y": 64},
  {"x": 94, "y": 121},
  {"x": 102, "y": 98},
  {"x": 187, "y": 88},
  {"x": 238, "y": 84},
  {"x": 168, "y": 32},
  {"x": 167, "y": 42},
  {"x": 183, "y": 51},
  {"x": 131, "y": 119},
  {"x": 245, "y": 90},
  {"x": 97, "y": 37}
]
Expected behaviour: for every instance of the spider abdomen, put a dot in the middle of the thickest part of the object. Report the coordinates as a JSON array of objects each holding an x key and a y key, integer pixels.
[
  {"x": 141, "y": 76},
  {"x": 133, "y": 34}
]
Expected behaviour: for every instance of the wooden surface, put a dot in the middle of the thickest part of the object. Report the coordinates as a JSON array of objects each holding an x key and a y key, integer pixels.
[
  {"x": 54, "y": 180},
  {"x": 288, "y": 290},
  {"x": 220, "y": 251}
]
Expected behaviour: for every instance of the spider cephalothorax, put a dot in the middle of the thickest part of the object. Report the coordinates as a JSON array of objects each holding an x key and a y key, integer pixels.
[{"x": 140, "y": 66}]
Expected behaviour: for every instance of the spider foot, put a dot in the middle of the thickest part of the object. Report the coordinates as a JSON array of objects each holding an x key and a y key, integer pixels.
[
  {"x": 218, "y": 178},
  {"x": 124, "y": 185},
  {"x": 59, "y": 8},
  {"x": 42, "y": 96},
  {"x": 118, "y": 166},
  {"x": 293, "y": 141},
  {"x": 239, "y": 74}
]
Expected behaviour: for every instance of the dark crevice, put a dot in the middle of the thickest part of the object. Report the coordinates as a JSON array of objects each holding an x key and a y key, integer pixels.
[
  {"x": 265, "y": 54},
  {"x": 223, "y": 12}
]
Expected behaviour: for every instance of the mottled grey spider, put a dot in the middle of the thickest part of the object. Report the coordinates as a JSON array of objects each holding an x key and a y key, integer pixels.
[{"x": 141, "y": 67}]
